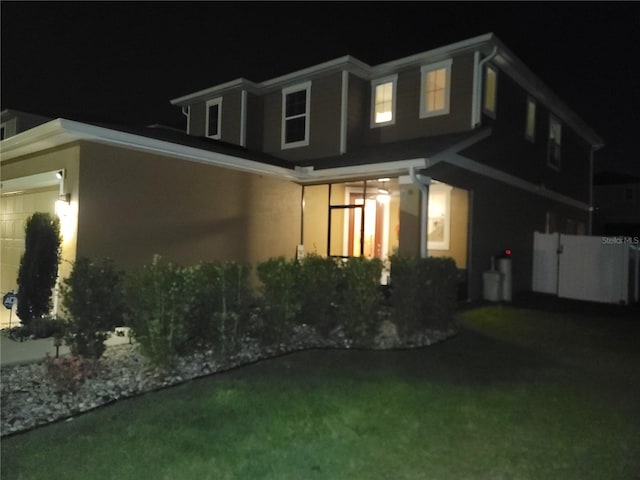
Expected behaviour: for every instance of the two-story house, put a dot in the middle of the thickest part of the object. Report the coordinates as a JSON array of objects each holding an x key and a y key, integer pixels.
[{"x": 459, "y": 151}]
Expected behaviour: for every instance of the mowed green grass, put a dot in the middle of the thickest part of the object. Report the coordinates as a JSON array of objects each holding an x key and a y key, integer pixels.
[{"x": 518, "y": 394}]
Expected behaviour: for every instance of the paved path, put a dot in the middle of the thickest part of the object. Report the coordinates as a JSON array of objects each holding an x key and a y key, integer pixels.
[{"x": 12, "y": 351}]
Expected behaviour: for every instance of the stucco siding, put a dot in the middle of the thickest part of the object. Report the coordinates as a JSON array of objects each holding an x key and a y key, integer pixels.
[{"x": 134, "y": 205}]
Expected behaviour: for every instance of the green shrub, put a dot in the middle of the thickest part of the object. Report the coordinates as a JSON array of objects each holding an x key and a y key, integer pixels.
[
  {"x": 46, "y": 326},
  {"x": 94, "y": 300},
  {"x": 281, "y": 303},
  {"x": 38, "y": 266},
  {"x": 317, "y": 287},
  {"x": 359, "y": 296},
  {"x": 161, "y": 297},
  {"x": 424, "y": 293},
  {"x": 221, "y": 306}
]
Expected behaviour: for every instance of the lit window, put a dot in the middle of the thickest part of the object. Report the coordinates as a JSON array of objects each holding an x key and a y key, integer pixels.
[
  {"x": 383, "y": 101},
  {"x": 555, "y": 143},
  {"x": 490, "y": 91},
  {"x": 214, "y": 117},
  {"x": 295, "y": 115},
  {"x": 530, "y": 131},
  {"x": 436, "y": 89}
]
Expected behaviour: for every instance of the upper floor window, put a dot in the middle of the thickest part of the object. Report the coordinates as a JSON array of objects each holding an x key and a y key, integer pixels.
[
  {"x": 489, "y": 103},
  {"x": 214, "y": 118},
  {"x": 295, "y": 115},
  {"x": 530, "y": 129},
  {"x": 383, "y": 101},
  {"x": 435, "y": 90},
  {"x": 555, "y": 142}
]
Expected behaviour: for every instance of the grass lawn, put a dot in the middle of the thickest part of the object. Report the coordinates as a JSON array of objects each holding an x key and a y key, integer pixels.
[{"x": 518, "y": 394}]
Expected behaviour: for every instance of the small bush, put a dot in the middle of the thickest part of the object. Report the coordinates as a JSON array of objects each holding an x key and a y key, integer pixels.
[
  {"x": 161, "y": 297},
  {"x": 281, "y": 304},
  {"x": 424, "y": 293},
  {"x": 221, "y": 306},
  {"x": 94, "y": 300},
  {"x": 359, "y": 302},
  {"x": 318, "y": 290},
  {"x": 68, "y": 373}
]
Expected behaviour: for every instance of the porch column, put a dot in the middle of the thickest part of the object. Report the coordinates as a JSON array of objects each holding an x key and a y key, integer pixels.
[{"x": 409, "y": 235}]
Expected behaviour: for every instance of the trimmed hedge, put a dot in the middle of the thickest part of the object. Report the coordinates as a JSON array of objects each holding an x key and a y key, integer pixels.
[
  {"x": 174, "y": 309},
  {"x": 424, "y": 293}
]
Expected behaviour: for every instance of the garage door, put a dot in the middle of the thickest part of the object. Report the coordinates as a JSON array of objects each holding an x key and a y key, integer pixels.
[{"x": 14, "y": 211}]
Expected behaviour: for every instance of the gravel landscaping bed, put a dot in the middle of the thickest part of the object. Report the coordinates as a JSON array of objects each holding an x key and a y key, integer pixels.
[{"x": 31, "y": 398}]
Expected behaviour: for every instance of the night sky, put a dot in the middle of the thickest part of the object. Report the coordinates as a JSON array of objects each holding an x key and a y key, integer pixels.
[{"x": 122, "y": 62}]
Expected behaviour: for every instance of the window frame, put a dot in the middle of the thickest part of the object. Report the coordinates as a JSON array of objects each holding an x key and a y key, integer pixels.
[
  {"x": 214, "y": 101},
  {"x": 490, "y": 110},
  {"x": 530, "y": 120},
  {"x": 554, "y": 147},
  {"x": 393, "y": 79},
  {"x": 306, "y": 86},
  {"x": 424, "y": 72}
]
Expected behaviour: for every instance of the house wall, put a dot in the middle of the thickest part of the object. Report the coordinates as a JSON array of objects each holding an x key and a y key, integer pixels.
[
  {"x": 508, "y": 149},
  {"x": 501, "y": 217},
  {"x": 408, "y": 124},
  {"x": 15, "y": 208},
  {"x": 254, "y": 127},
  {"x": 134, "y": 205},
  {"x": 324, "y": 121}
]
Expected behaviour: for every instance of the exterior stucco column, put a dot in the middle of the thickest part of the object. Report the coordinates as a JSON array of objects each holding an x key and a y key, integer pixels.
[{"x": 409, "y": 241}]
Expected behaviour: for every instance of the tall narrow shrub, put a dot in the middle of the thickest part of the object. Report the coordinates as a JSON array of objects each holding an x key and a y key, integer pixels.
[
  {"x": 280, "y": 297},
  {"x": 360, "y": 297},
  {"x": 94, "y": 300},
  {"x": 38, "y": 266},
  {"x": 221, "y": 305},
  {"x": 161, "y": 296}
]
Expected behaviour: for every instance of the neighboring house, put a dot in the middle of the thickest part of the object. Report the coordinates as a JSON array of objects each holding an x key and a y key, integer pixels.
[
  {"x": 460, "y": 151},
  {"x": 617, "y": 204}
]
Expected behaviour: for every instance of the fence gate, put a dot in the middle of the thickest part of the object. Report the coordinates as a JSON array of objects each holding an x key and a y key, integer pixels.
[{"x": 581, "y": 267}]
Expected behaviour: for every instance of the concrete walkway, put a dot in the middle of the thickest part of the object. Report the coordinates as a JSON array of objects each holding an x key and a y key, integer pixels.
[{"x": 14, "y": 352}]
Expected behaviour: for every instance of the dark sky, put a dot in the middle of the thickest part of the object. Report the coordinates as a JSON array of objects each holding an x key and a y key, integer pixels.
[{"x": 124, "y": 61}]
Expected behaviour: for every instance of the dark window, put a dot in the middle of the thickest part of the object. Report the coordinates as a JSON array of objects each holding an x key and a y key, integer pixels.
[
  {"x": 296, "y": 103},
  {"x": 295, "y": 130},
  {"x": 212, "y": 129}
]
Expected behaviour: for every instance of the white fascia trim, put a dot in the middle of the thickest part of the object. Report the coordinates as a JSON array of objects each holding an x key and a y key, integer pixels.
[
  {"x": 344, "y": 110},
  {"x": 503, "y": 177},
  {"x": 518, "y": 71},
  {"x": 434, "y": 55},
  {"x": 60, "y": 132},
  {"x": 215, "y": 90},
  {"x": 308, "y": 175},
  {"x": 346, "y": 62},
  {"x": 38, "y": 180}
]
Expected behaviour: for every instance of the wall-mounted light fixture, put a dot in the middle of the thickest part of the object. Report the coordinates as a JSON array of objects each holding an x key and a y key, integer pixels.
[
  {"x": 60, "y": 174},
  {"x": 62, "y": 205}
]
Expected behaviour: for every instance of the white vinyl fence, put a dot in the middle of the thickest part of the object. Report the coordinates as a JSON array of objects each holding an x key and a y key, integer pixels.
[{"x": 581, "y": 267}]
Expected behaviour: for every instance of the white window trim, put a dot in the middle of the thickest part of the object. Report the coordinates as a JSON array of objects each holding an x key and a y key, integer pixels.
[
  {"x": 393, "y": 79},
  {"x": 552, "y": 162},
  {"x": 214, "y": 101},
  {"x": 487, "y": 111},
  {"x": 286, "y": 91},
  {"x": 531, "y": 136},
  {"x": 424, "y": 70}
]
